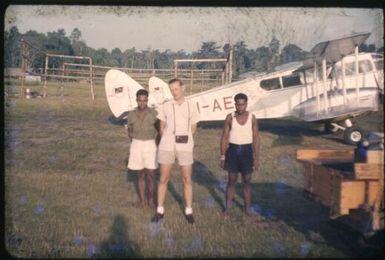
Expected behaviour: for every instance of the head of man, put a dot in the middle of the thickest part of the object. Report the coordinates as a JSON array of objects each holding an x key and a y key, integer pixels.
[
  {"x": 177, "y": 89},
  {"x": 142, "y": 99},
  {"x": 240, "y": 103}
]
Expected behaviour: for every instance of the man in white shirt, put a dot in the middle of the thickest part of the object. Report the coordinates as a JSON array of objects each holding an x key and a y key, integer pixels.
[{"x": 178, "y": 122}]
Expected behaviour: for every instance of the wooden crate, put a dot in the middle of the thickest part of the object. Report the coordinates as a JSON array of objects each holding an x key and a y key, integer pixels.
[
  {"x": 353, "y": 194},
  {"x": 369, "y": 156},
  {"x": 316, "y": 154},
  {"x": 332, "y": 178},
  {"x": 368, "y": 171}
]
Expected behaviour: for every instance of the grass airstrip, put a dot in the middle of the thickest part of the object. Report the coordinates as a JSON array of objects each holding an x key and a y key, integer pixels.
[{"x": 68, "y": 193}]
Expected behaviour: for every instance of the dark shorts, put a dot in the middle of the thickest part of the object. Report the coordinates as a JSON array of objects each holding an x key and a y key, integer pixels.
[{"x": 239, "y": 158}]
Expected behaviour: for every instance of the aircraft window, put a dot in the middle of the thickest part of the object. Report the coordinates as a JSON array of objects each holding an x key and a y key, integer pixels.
[
  {"x": 379, "y": 64},
  {"x": 376, "y": 56},
  {"x": 270, "y": 84},
  {"x": 289, "y": 81},
  {"x": 349, "y": 68},
  {"x": 364, "y": 66}
]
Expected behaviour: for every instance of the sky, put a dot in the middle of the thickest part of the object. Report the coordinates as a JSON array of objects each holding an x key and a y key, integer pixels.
[{"x": 178, "y": 28}]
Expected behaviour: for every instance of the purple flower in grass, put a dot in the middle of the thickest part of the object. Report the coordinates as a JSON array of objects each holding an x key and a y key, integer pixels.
[
  {"x": 256, "y": 209},
  {"x": 91, "y": 250},
  {"x": 39, "y": 209},
  {"x": 222, "y": 185},
  {"x": 169, "y": 241},
  {"x": 305, "y": 248},
  {"x": 279, "y": 248},
  {"x": 154, "y": 228},
  {"x": 23, "y": 200},
  {"x": 77, "y": 240},
  {"x": 196, "y": 245}
]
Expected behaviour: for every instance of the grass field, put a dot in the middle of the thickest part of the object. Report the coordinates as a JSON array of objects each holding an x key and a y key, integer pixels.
[{"x": 68, "y": 193}]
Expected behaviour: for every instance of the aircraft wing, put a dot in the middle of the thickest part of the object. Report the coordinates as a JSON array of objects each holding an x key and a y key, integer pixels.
[{"x": 334, "y": 50}]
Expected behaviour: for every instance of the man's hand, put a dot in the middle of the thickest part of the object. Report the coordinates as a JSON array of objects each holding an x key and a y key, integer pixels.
[
  {"x": 255, "y": 164},
  {"x": 222, "y": 164}
]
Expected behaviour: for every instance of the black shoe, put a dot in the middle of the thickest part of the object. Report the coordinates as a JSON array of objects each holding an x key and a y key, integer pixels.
[
  {"x": 157, "y": 217},
  {"x": 190, "y": 218}
]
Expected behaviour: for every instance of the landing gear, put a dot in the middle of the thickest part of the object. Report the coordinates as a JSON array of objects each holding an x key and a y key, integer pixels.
[
  {"x": 330, "y": 128},
  {"x": 352, "y": 134}
]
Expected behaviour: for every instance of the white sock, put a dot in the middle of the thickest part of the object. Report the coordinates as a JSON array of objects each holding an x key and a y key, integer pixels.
[
  {"x": 160, "y": 210},
  {"x": 188, "y": 211}
]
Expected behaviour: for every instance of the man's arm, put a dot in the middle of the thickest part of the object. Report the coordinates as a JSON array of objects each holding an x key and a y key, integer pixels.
[
  {"x": 225, "y": 139},
  {"x": 129, "y": 133},
  {"x": 162, "y": 125},
  {"x": 193, "y": 128},
  {"x": 256, "y": 142}
]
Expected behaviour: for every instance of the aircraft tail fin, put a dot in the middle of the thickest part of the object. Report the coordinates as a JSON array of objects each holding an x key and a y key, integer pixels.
[
  {"x": 120, "y": 91},
  {"x": 159, "y": 90}
]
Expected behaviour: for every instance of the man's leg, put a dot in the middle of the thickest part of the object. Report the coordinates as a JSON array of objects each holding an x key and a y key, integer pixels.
[
  {"x": 246, "y": 179},
  {"x": 186, "y": 171},
  {"x": 165, "y": 172},
  {"x": 151, "y": 177},
  {"x": 187, "y": 187},
  {"x": 230, "y": 190},
  {"x": 142, "y": 187}
]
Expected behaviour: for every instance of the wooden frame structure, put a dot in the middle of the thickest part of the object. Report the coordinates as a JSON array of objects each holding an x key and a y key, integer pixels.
[{"x": 48, "y": 55}]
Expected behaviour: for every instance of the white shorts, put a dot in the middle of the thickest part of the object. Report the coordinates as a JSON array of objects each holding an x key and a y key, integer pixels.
[{"x": 142, "y": 155}]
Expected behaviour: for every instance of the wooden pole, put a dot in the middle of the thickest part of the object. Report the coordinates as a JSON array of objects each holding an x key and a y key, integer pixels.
[
  {"x": 62, "y": 82},
  {"x": 175, "y": 69},
  {"x": 23, "y": 65},
  {"x": 92, "y": 87},
  {"x": 45, "y": 76}
]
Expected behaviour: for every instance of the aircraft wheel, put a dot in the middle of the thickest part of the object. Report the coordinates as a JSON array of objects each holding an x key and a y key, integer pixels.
[
  {"x": 329, "y": 128},
  {"x": 353, "y": 135}
]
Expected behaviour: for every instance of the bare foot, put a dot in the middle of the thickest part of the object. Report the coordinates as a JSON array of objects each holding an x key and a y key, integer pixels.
[
  {"x": 140, "y": 204},
  {"x": 151, "y": 204}
]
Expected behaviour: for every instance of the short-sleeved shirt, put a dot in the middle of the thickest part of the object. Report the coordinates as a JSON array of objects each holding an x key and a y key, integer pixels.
[
  {"x": 183, "y": 113},
  {"x": 142, "y": 130}
]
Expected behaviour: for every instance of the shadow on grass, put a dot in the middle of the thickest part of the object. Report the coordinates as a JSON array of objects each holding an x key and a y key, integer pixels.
[
  {"x": 174, "y": 188},
  {"x": 121, "y": 120},
  {"x": 132, "y": 176},
  {"x": 217, "y": 188},
  {"x": 118, "y": 244},
  {"x": 279, "y": 202}
]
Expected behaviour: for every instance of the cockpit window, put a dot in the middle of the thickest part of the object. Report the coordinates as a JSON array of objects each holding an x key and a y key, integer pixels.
[
  {"x": 292, "y": 80},
  {"x": 364, "y": 66},
  {"x": 270, "y": 84}
]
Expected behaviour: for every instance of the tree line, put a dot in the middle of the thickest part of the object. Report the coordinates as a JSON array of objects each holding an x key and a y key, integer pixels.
[{"x": 259, "y": 59}]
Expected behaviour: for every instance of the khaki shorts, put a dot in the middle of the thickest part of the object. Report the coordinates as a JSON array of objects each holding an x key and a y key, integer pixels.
[{"x": 168, "y": 157}]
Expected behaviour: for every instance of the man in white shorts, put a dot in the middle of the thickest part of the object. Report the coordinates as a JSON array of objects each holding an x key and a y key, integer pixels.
[
  {"x": 142, "y": 124},
  {"x": 178, "y": 121}
]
